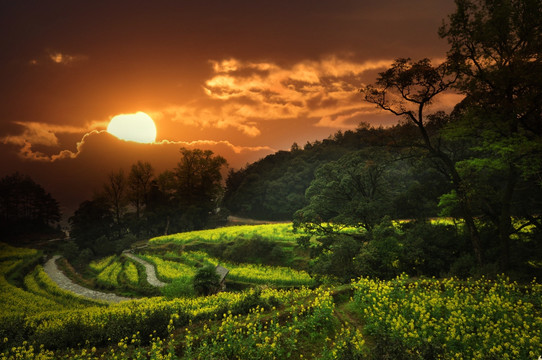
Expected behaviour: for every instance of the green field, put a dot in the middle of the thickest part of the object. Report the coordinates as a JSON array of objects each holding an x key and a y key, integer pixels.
[
  {"x": 275, "y": 232},
  {"x": 281, "y": 314}
]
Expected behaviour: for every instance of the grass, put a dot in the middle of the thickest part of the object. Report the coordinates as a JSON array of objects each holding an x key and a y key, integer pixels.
[{"x": 276, "y": 232}]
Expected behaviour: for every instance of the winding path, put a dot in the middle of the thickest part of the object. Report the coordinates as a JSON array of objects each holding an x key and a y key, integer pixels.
[
  {"x": 149, "y": 269},
  {"x": 67, "y": 284}
]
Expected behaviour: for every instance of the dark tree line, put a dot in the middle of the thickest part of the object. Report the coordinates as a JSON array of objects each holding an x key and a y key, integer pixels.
[
  {"x": 25, "y": 207},
  {"x": 141, "y": 203},
  {"x": 273, "y": 188}
]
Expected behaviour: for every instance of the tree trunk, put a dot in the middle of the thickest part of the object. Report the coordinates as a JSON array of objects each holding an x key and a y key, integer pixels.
[
  {"x": 466, "y": 208},
  {"x": 473, "y": 231},
  {"x": 505, "y": 217},
  {"x": 167, "y": 226}
]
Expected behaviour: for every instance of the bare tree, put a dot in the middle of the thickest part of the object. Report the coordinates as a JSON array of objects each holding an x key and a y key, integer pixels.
[
  {"x": 139, "y": 182},
  {"x": 116, "y": 194}
]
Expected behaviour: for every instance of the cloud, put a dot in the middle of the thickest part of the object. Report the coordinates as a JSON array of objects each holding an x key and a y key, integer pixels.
[
  {"x": 37, "y": 133},
  {"x": 242, "y": 94},
  {"x": 60, "y": 58},
  {"x": 72, "y": 176},
  {"x": 45, "y": 134},
  {"x": 348, "y": 119},
  {"x": 225, "y": 116}
]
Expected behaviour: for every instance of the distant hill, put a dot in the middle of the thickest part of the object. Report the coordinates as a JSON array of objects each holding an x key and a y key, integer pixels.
[{"x": 273, "y": 188}]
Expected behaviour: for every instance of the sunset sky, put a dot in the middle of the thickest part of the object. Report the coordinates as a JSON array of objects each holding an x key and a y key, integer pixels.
[{"x": 242, "y": 78}]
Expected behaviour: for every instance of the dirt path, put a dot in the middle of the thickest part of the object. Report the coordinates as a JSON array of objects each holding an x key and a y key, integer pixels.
[
  {"x": 65, "y": 283},
  {"x": 149, "y": 269},
  {"x": 235, "y": 220}
]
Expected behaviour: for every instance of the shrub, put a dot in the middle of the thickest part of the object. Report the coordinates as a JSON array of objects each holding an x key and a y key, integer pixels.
[
  {"x": 379, "y": 257},
  {"x": 180, "y": 287},
  {"x": 339, "y": 261},
  {"x": 206, "y": 280}
]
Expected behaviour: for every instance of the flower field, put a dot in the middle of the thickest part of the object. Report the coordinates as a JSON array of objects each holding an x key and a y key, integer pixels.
[
  {"x": 117, "y": 272},
  {"x": 403, "y": 318},
  {"x": 275, "y": 232},
  {"x": 186, "y": 262},
  {"x": 459, "y": 319}
]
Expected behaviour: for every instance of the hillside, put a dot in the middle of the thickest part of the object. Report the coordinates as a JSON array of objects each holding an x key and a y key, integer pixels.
[
  {"x": 272, "y": 309},
  {"x": 274, "y": 187}
]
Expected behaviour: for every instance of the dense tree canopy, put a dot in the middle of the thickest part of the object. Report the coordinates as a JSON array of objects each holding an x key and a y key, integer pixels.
[
  {"x": 356, "y": 190},
  {"x": 25, "y": 207},
  {"x": 496, "y": 49},
  {"x": 489, "y": 149}
]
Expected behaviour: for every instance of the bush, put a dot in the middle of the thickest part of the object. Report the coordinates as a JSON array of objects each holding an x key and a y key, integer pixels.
[
  {"x": 206, "y": 281},
  {"x": 83, "y": 259},
  {"x": 339, "y": 260},
  {"x": 430, "y": 249},
  {"x": 379, "y": 257},
  {"x": 255, "y": 249},
  {"x": 70, "y": 250},
  {"x": 180, "y": 287}
]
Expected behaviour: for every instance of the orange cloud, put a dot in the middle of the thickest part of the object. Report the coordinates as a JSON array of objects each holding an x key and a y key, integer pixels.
[
  {"x": 44, "y": 134},
  {"x": 244, "y": 93},
  {"x": 37, "y": 133},
  {"x": 65, "y": 59}
]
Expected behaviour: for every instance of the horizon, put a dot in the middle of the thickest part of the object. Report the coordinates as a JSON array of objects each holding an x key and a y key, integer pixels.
[{"x": 244, "y": 80}]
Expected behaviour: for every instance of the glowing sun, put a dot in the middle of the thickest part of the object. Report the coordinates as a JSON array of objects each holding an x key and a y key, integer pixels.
[{"x": 137, "y": 127}]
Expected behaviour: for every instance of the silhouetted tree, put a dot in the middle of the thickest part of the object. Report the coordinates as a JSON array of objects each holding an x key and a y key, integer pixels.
[
  {"x": 198, "y": 182},
  {"x": 406, "y": 90},
  {"x": 25, "y": 207},
  {"x": 116, "y": 195},
  {"x": 91, "y": 221},
  {"x": 139, "y": 181}
]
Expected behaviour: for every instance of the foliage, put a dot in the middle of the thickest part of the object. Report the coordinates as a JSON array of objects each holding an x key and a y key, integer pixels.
[
  {"x": 91, "y": 221},
  {"x": 450, "y": 318},
  {"x": 355, "y": 190},
  {"x": 274, "y": 187},
  {"x": 206, "y": 280},
  {"x": 370, "y": 319},
  {"x": 168, "y": 270},
  {"x": 198, "y": 185},
  {"x": 494, "y": 50},
  {"x": 338, "y": 259},
  {"x": 25, "y": 207},
  {"x": 255, "y": 249},
  {"x": 179, "y": 287}
]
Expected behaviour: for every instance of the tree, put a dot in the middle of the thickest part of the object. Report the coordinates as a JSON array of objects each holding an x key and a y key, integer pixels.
[
  {"x": 496, "y": 49},
  {"x": 139, "y": 181},
  {"x": 355, "y": 190},
  {"x": 198, "y": 181},
  {"x": 91, "y": 221},
  {"x": 116, "y": 194},
  {"x": 25, "y": 206},
  {"x": 206, "y": 280},
  {"x": 406, "y": 89}
]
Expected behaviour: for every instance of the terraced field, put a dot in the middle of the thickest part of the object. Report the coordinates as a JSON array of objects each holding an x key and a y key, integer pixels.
[{"x": 281, "y": 314}]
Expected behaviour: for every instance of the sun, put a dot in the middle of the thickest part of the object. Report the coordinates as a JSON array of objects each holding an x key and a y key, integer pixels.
[{"x": 138, "y": 127}]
